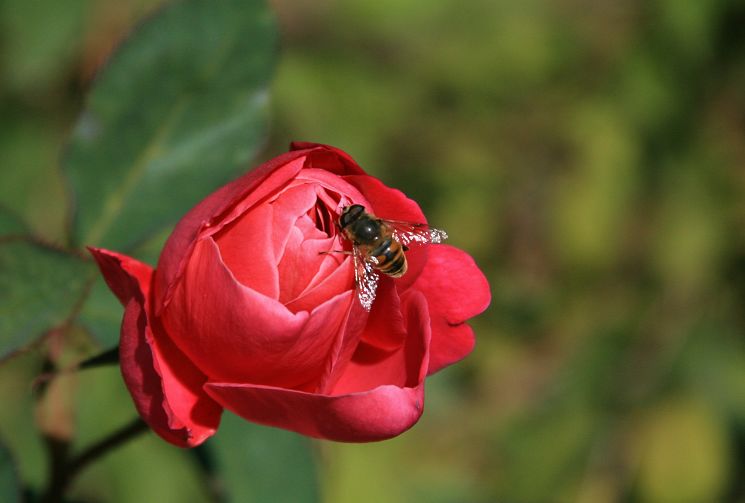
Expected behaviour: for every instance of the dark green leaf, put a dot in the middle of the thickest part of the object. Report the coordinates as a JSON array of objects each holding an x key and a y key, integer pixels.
[
  {"x": 31, "y": 185},
  {"x": 39, "y": 288},
  {"x": 10, "y": 224},
  {"x": 102, "y": 314},
  {"x": 9, "y": 487},
  {"x": 257, "y": 463},
  {"x": 179, "y": 110}
]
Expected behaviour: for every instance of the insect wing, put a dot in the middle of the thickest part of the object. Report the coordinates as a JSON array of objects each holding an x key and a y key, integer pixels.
[
  {"x": 365, "y": 278},
  {"x": 410, "y": 233}
]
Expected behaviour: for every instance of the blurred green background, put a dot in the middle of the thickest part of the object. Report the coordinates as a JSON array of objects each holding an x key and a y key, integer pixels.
[{"x": 589, "y": 154}]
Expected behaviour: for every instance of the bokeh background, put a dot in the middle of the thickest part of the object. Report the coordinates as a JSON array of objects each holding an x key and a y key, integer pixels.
[{"x": 589, "y": 154}]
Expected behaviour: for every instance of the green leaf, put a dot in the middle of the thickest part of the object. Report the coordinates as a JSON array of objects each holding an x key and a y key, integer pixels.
[
  {"x": 17, "y": 427},
  {"x": 684, "y": 453},
  {"x": 178, "y": 111},
  {"x": 31, "y": 185},
  {"x": 102, "y": 314},
  {"x": 9, "y": 488},
  {"x": 10, "y": 224},
  {"x": 257, "y": 463},
  {"x": 39, "y": 289}
]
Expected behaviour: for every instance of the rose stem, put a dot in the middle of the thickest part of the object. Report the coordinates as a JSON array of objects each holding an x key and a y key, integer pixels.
[
  {"x": 109, "y": 357},
  {"x": 64, "y": 469}
]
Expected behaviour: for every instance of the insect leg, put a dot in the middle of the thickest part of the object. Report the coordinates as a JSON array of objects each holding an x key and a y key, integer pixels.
[{"x": 344, "y": 252}]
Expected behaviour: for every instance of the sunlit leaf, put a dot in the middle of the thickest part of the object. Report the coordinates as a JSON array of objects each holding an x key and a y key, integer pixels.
[
  {"x": 180, "y": 109},
  {"x": 257, "y": 463},
  {"x": 684, "y": 454},
  {"x": 39, "y": 288},
  {"x": 690, "y": 236},
  {"x": 595, "y": 197}
]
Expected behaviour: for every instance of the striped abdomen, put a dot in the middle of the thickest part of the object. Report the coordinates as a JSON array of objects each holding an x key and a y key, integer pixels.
[{"x": 391, "y": 258}]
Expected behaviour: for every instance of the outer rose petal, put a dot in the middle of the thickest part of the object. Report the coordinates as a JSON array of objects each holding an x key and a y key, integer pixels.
[
  {"x": 385, "y": 327},
  {"x": 456, "y": 290},
  {"x": 385, "y": 412},
  {"x": 405, "y": 366},
  {"x": 125, "y": 276},
  {"x": 233, "y": 333},
  {"x": 362, "y": 414},
  {"x": 165, "y": 386},
  {"x": 252, "y": 186},
  {"x": 327, "y": 158},
  {"x": 246, "y": 190}
]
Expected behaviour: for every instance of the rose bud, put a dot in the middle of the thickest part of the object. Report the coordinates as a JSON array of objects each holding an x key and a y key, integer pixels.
[{"x": 251, "y": 308}]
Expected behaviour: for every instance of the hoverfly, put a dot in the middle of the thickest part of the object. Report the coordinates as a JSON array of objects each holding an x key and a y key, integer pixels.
[{"x": 378, "y": 246}]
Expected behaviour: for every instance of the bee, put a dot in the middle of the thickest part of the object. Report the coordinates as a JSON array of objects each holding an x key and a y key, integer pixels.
[{"x": 379, "y": 246}]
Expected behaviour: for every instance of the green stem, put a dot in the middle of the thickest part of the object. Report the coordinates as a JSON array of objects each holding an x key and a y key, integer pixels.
[{"x": 64, "y": 469}]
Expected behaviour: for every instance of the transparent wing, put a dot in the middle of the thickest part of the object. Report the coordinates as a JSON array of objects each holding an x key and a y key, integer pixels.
[
  {"x": 408, "y": 233},
  {"x": 365, "y": 278}
]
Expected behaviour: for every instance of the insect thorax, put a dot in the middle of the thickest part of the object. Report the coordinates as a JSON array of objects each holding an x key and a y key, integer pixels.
[{"x": 365, "y": 230}]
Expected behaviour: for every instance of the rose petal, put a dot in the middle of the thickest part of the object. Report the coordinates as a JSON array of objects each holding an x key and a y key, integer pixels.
[
  {"x": 165, "y": 386},
  {"x": 344, "y": 346},
  {"x": 331, "y": 183},
  {"x": 404, "y": 366},
  {"x": 247, "y": 249},
  {"x": 233, "y": 333},
  {"x": 331, "y": 279},
  {"x": 293, "y": 269},
  {"x": 246, "y": 190},
  {"x": 125, "y": 276},
  {"x": 382, "y": 413},
  {"x": 300, "y": 263},
  {"x": 327, "y": 158},
  {"x": 387, "y": 202},
  {"x": 293, "y": 202},
  {"x": 168, "y": 397},
  {"x": 255, "y": 246},
  {"x": 456, "y": 290},
  {"x": 385, "y": 327},
  {"x": 231, "y": 201},
  {"x": 308, "y": 229},
  {"x": 373, "y": 414}
]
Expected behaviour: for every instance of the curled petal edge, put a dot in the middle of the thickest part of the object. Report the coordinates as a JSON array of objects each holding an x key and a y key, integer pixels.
[
  {"x": 380, "y": 413},
  {"x": 248, "y": 189},
  {"x": 456, "y": 290},
  {"x": 154, "y": 372}
]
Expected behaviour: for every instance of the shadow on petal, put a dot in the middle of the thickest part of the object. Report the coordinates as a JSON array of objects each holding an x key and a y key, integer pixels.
[
  {"x": 390, "y": 402},
  {"x": 165, "y": 386}
]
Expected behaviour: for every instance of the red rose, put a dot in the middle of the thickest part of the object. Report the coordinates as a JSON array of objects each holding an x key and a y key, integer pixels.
[{"x": 243, "y": 312}]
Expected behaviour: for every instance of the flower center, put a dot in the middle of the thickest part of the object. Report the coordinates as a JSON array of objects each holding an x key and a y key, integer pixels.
[{"x": 323, "y": 218}]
